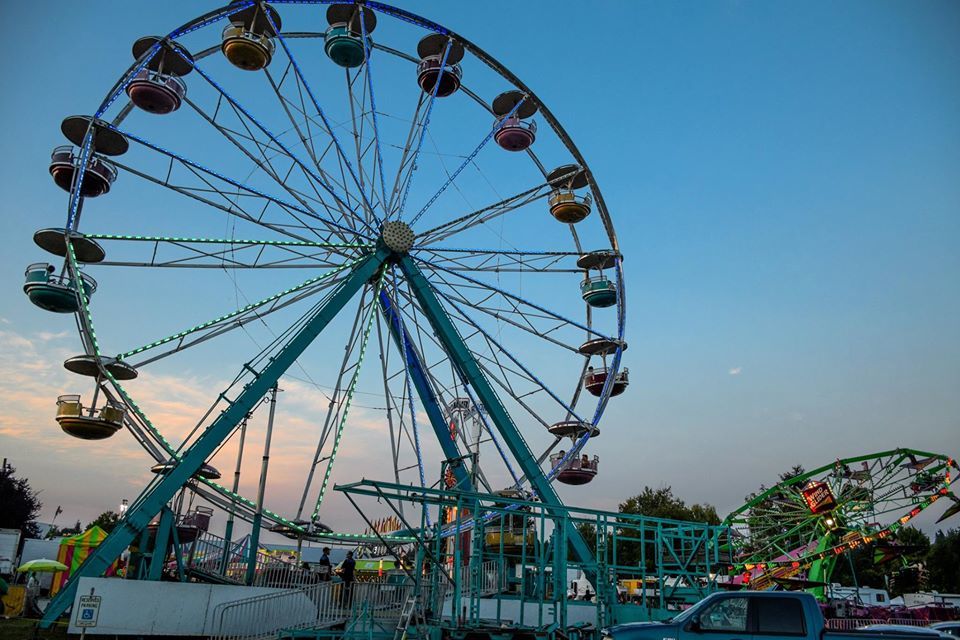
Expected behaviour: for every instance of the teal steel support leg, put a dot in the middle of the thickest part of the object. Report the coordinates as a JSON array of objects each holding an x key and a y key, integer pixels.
[
  {"x": 429, "y": 400},
  {"x": 160, "y": 544},
  {"x": 177, "y": 551},
  {"x": 460, "y": 354},
  {"x": 150, "y": 504}
]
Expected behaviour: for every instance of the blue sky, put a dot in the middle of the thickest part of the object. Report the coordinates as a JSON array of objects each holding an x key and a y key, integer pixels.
[{"x": 785, "y": 183}]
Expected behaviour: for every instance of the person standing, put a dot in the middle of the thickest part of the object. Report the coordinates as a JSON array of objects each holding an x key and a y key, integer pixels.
[
  {"x": 324, "y": 565},
  {"x": 31, "y": 609},
  {"x": 347, "y": 569}
]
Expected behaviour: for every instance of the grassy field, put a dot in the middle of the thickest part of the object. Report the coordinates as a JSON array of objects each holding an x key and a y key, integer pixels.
[{"x": 21, "y": 629}]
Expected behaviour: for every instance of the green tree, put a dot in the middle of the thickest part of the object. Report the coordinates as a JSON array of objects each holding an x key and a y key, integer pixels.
[
  {"x": 106, "y": 521},
  {"x": 661, "y": 503},
  {"x": 655, "y": 503},
  {"x": 943, "y": 562},
  {"x": 21, "y": 506},
  {"x": 56, "y": 532}
]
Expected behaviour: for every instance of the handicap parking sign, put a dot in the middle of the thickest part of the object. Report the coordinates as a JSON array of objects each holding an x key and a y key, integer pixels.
[{"x": 88, "y": 609}]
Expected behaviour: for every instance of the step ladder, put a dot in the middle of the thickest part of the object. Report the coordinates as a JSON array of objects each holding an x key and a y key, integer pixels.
[{"x": 406, "y": 615}]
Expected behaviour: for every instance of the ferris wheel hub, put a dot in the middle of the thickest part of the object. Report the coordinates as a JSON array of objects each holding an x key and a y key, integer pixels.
[{"x": 397, "y": 236}]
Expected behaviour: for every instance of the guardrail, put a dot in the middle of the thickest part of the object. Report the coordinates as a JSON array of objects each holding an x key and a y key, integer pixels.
[
  {"x": 207, "y": 552},
  {"x": 321, "y": 605},
  {"x": 327, "y": 604},
  {"x": 849, "y": 624},
  {"x": 492, "y": 580}
]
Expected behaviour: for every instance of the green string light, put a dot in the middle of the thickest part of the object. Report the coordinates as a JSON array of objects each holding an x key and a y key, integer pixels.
[
  {"x": 84, "y": 304},
  {"x": 234, "y": 314},
  {"x": 279, "y": 243},
  {"x": 346, "y": 408}
]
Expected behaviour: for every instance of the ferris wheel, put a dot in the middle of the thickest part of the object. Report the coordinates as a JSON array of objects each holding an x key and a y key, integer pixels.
[
  {"x": 793, "y": 534},
  {"x": 360, "y": 179}
]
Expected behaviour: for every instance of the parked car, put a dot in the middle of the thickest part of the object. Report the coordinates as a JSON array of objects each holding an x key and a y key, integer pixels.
[
  {"x": 952, "y": 628},
  {"x": 924, "y": 632},
  {"x": 758, "y": 615}
]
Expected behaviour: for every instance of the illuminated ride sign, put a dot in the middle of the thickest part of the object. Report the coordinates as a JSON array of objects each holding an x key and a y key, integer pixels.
[{"x": 818, "y": 497}]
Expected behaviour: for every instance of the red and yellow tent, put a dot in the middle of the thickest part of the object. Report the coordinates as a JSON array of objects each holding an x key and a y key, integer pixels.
[{"x": 74, "y": 550}]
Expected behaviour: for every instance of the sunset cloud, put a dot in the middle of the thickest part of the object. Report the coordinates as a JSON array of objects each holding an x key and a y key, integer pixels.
[{"x": 66, "y": 468}]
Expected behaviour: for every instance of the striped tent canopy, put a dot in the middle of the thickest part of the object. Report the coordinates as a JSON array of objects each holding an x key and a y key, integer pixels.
[{"x": 74, "y": 550}]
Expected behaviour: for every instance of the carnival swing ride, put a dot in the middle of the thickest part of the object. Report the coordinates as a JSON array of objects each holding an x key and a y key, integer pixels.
[{"x": 793, "y": 534}]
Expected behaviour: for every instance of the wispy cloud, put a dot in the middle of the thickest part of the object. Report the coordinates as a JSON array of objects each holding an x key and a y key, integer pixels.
[
  {"x": 735, "y": 371},
  {"x": 47, "y": 336},
  {"x": 66, "y": 468}
]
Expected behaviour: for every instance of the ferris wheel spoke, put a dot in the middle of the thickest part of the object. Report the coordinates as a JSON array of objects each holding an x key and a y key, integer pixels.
[
  {"x": 366, "y": 145},
  {"x": 505, "y": 386},
  {"x": 482, "y": 215},
  {"x": 309, "y": 140},
  {"x": 247, "y": 116},
  {"x": 292, "y": 253},
  {"x": 493, "y": 260},
  {"x": 469, "y": 159},
  {"x": 364, "y": 148},
  {"x": 368, "y": 73},
  {"x": 341, "y": 214},
  {"x": 242, "y": 321},
  {"x": 356, "y": 133},
  {"x": 424, "y": 127},
  {"x": 385, "y": 366},
  {"x": 345, "y": 233},
  {"x": 502, "y": 315},
  {"x": 346, "y": 215},
  {"x": 306, "y": 139},
  {"x": 489, "y": 363},
  {"x": 326, "y": 181},
  {"x": 519, "y": 306},
  {"x": 405, "y": 166},
  {"x": 348, "y": 399},
  {"x": 424, "y": 376},
  {"x": 499, "y": 347},
  {"x": 368, "y": 211},
  {"x": 411, "y": 310},
  {"x": 272, "y": 300},
  {"x": 232, "y": 208},
  {"x": 334, "y": 407},
  {"x": 401, "y": 338}
]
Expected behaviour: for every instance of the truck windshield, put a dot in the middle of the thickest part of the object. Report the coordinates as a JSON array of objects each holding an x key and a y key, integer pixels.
[{"x": 684, "y": 615}]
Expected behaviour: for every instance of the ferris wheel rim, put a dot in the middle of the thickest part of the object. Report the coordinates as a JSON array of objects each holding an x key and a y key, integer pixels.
[{"x": 503, "y": 71}]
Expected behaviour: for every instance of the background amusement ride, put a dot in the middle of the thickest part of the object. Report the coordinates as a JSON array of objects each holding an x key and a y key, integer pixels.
[{"x": 369, "y": 184}]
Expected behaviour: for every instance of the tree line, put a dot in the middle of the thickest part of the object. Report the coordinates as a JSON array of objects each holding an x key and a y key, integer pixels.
[{"x": 929, "y": 565}]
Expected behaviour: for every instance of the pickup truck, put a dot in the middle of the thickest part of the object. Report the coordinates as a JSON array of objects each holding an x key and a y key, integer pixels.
[{"x": 750, "y": 615}]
